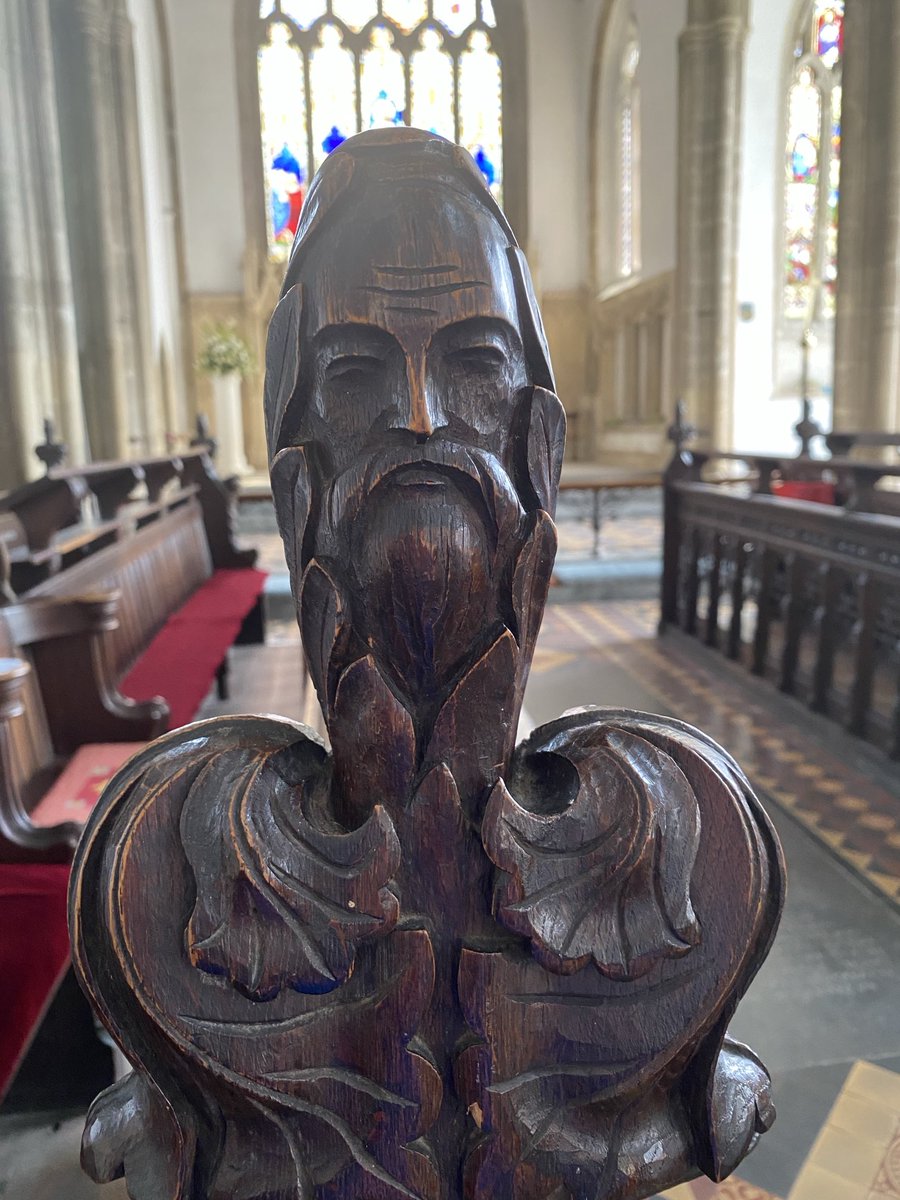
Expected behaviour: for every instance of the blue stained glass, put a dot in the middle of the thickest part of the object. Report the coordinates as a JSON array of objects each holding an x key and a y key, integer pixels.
[
  {"x": 382, "y": 79},
  {"x": 334, "y": 139},
  {"x": 829, "y": 32},
  {"x": 485, "y": 166},
  {"x": 427, "y": 79},
  {"x": 284, "y": 134},
  {"x": 385, "y": 112},
  {"x": 804, "y": 158},
  {"x": 333, "y": 83}
]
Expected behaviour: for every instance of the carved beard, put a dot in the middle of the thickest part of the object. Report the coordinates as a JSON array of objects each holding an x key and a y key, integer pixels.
[
  {"x": 425, "y": 595},
  {"x": 477, "y": 552}
]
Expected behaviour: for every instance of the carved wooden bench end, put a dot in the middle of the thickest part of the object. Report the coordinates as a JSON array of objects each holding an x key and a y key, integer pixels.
[{"x": 426, "y": 963}]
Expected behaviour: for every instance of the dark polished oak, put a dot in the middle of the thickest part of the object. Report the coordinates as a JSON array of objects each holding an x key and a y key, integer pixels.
[
  {"x": 426, "y": 963},
  {"x": 804, "y": 594}
]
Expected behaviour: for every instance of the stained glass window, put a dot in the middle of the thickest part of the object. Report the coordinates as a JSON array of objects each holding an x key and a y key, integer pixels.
[
  {"x": 302, "y": 12},
  {"x": 282, "y": 107},
  {"x": 813, "y": 165},
  {"x": 455, "y": 15},
  {"x": 406, "y": 14},
  {"x": 480, "y": 107},
  {"x": 354, "y": 13},
  {"x": 330, "y": 68}
]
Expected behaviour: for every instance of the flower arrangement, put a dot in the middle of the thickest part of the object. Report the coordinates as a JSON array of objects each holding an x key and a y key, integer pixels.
[{"x": 224, "y": 351}]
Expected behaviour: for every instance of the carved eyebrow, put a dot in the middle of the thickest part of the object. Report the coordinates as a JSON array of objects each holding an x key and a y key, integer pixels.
[
  {"x": 446, "y": 269},
  {"x": 475, "y": 332},
  {"x": 434, "y": 289}
]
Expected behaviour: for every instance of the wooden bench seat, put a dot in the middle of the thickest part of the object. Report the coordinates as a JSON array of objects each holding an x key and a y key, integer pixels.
[
  {"x": 157, "y": 647},
  {"x": 55, "y": 696},
  {"x": 191, "y": 648}
]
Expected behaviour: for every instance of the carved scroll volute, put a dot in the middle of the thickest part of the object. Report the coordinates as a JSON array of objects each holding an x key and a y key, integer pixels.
[{"x": 423, "y": 965}]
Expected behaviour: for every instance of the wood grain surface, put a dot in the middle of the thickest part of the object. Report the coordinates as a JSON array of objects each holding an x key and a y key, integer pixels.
[{"x": 426, "y": 964}]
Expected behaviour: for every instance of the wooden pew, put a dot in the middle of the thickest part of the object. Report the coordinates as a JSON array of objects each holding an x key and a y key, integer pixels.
[
  {"x": 157, "y": 571},
  {"x": 43, "y": 722},
  {"x": 35, "y": 763},
  {"x": 73, "y": 512}
]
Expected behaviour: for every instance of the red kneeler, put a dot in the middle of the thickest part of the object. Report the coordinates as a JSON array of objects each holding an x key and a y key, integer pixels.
[
  {"x": 34, "y": 954},
  {"x": 180, "y": 664}
]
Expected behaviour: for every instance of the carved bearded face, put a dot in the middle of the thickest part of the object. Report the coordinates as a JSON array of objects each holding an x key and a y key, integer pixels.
[{"x": 412, "y": 407}]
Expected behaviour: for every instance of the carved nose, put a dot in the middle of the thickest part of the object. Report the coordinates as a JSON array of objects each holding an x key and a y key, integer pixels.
[{"x": 423, "y": 414}]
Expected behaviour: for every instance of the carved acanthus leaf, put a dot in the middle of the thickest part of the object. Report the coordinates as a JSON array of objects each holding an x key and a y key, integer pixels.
[
  {"x": 546, "y": 446},
  {"x": 282, "y": 899},
  {"x": 608, "y": 877},
  {"x": 282, "y": 362},
  {"x": 324, "y": 628},
  {"x": 373, "y": 739},
  {"x": 531, "y": 579},
  {"x": 473, "y": 749},
  {"x": 291, "y": 483}
]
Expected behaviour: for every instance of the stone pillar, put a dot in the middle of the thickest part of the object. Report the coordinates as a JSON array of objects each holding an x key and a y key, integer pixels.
[
  {"x": 39, "y": 375},
  {"x": 711, "y": 59},
  {"x": 146, "y": 417},
  {"x": 103, "y": 222},
  {"x": 867, "y": 334}
]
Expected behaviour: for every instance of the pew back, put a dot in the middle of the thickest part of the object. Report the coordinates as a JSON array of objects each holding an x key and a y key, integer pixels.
[{"x": 156, "y": 570}]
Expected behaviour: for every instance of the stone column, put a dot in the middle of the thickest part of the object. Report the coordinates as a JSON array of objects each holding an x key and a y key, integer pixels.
[
  {"x": 97, "y": 199},
  {"x": 867, "y": 334},
  {"x": 39, "y": 375},
  {"x": 146, "y": 410},
  {"x": 711, "y": 59}
]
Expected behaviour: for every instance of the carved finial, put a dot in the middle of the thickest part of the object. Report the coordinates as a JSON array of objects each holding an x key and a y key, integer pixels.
[
  {"x": 424, "y": 964},
  {"x": 50, "y": 452},
  {"x": 681, "y": 431},
  {"x": 806, "y": 428},
  {"x": 203, "y": 437}
]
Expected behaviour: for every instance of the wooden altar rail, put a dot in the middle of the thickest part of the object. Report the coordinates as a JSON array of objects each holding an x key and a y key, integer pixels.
[
  {"x": 842, "y": 443},
  {"x": 804, "y": 594},
  {"x": 44, "y": 527}
]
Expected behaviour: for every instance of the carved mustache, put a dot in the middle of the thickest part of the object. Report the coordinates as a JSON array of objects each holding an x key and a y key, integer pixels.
[{"x": 349, "y": 491}]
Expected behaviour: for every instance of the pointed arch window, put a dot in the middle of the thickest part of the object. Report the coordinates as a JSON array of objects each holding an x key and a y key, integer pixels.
[
  {"x": 812, "y": 165},
  {"x": 629, "y": 184},
  {"x": 615, "y": 190},
  {"x": 328, "y": 69}
]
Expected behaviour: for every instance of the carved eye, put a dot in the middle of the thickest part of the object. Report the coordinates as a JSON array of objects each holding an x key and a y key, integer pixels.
[
  {"x": 354, "y": 370},
  {"x": 488, "y": 359}
]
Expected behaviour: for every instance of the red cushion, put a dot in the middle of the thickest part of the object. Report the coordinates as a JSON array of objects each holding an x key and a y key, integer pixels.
[
  {"x": 78, "y": 788},
  {"x": 34, "y": 954},
  {"x": 181, "y": 661},
  {"x": 815, "y": 490},
  {"x": 227, "y": 595}
]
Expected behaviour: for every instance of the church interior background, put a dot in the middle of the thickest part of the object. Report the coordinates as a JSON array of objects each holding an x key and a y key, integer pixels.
[{"x": 708, "y": 193}]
